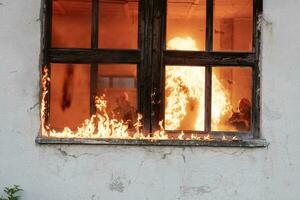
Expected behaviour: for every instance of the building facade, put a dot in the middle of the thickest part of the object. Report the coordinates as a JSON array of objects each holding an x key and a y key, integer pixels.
[{"x": 149, "y": 172}]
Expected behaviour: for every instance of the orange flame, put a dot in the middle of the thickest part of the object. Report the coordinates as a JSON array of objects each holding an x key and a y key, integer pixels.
[
  {"x": 44, "y": 82},
  {"x": 184, "y": 86},
  {"x": 185, "y": 93}
]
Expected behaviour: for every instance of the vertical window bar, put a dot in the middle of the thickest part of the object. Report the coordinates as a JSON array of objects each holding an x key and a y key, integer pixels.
[
  {"x": 95, "y": 24},
  {"x": 48, "y": 10},
  {"x": 161, "y": 99},
  {"x": 209, "y": 24},
  {"x": 146, "y": 50},
  {"x": 158, "y": 34},
  {"x": 257, "y": 14},
  {"x": 142, "y": 70},
  {"x": 161, "y": 96},
  {"x": 208, "y": 92},
  {"x": 47, "y": 97},
  {"x": 94, "y": 45},
  {"x": 47, "y": 30},
  {"x": 208, "y": 69}
]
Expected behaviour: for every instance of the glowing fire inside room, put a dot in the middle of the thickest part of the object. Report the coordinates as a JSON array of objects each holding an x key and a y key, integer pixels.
[{"x": 116, "y": 113}]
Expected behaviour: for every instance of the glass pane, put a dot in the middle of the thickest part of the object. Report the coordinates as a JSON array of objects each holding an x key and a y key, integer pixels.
[
  {"x": 118, "y": 24},
  {"x": 121, "y": 92},
  {"x": 104, "y": 81},
  {"x": 70, "y": 95},
  {"x": 184, "y": 98},
  {"x": 123, "y": 82},
  {"x": 233, "y": 25},
  {"x": 186, "y": 22},
  {"x": 231, "y": 98},
  {"x": 71, "y": 24}
]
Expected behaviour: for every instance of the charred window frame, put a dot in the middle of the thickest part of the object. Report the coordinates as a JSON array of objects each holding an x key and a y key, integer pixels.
[{"x": 151, "y": 57}]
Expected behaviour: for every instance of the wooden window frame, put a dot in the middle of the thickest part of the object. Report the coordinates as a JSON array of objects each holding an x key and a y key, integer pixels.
[{"x": 151, "y": 57}]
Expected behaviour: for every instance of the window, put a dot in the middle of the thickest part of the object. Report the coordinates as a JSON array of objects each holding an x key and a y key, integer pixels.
[{"x": 158, "y": 72}]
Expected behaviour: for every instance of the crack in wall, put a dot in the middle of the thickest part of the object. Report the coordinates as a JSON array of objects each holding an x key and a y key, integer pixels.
[
  {"x": 75, "y": 156},
  {"x": 33, "y": 107},
  {"x": 139, "y": 169},
  {"x": 234, "y": 153},
  {"x": 194, "y": 191},
  {"x": 183, "y": 157},
  {"x": 164, "y": 156}
]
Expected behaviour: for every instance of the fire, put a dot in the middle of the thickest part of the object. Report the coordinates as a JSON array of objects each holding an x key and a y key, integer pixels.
[
  {"x": 99, "y": 125},
  {"x": 185, "y": 91},
  {"x": 44, "y": 82}
]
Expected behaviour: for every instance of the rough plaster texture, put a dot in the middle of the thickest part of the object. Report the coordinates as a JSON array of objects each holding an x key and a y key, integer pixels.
[{"x": 118, "y": 172}]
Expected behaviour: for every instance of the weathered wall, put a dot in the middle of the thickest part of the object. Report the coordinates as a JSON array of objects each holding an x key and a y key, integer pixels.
[{"x": 116, "y": 172}]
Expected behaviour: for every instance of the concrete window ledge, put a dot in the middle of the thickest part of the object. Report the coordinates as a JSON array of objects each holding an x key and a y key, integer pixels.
[{"x": 252, "y": 143}]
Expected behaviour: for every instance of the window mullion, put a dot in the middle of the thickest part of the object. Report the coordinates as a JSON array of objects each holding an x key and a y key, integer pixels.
[
  {"x": 95, "y": 24},
  {"x": 208, "y": 69},
  {"x": 144, "y": 71},
  {"x": 94, "y": 45},
  {"x": 46, "y": 67},
  {"x": 256, "y": 99},
  {"x": 47, "y": 30},
  {"x": 158, "y": 45},
  {"x": 209, "y": 25}
]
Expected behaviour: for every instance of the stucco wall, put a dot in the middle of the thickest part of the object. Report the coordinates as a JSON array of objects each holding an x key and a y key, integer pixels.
[{"x": 118, "y": 172}]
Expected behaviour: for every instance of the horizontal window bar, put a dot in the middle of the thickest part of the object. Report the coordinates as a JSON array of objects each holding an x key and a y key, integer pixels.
[
  {"x": 196, "y": 58},
  {"x": 94, "y": 56}
]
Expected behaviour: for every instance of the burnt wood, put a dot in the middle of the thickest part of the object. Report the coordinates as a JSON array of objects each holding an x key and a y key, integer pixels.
[
  {"x": 95, "y": 24},
  {"x": 47, "y": 34},
  {"x": 209, "y": 25},
  {"x": 208, "y": 92},
  {"x": 253, "y": 143},
  {"x": 93, "y": 87},
  {"x": 214, "y": 134},
  {"x": 256, "y": 73},
  {"x": 46, "y": 44},
  {"x": 94, "y": 56},
  {"x": 197, "y": 58},
  {"x": 144, "y": 70},
  {"x": 47, "y": 97},
  {"x": 159, "y": 37},
  {"x": 94, "y": 45},
  {"x": 208, "y": 69}
]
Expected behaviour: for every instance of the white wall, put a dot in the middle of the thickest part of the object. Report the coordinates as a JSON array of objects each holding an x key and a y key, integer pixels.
[{"x": 118, "y": 172}]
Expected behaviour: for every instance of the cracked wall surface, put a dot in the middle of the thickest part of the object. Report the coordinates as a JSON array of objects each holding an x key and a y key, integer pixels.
[{"x": 64, "y": 172}]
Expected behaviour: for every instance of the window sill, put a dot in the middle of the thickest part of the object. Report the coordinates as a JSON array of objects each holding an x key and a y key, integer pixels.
[{"x": 253, "y": 143}]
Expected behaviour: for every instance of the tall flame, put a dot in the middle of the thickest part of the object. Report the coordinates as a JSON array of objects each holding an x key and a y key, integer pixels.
[{"x": 185, "y": 93}]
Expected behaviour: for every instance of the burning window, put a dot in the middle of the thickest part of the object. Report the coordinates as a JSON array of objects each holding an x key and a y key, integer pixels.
[{"x": 151, "y": 72}]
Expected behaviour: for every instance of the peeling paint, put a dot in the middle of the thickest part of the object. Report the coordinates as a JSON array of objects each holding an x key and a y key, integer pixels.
[
  {"x": 14, "y": 71},
  {"x": 263, "y": 22},
  {"x": 194, "y": 191},
  {"x": 95, "y": 197},
  {"x": 117, "y": 185}
]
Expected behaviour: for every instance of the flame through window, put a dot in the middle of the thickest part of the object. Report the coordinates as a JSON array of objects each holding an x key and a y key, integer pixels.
[{"x": 196, "y": 101}]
